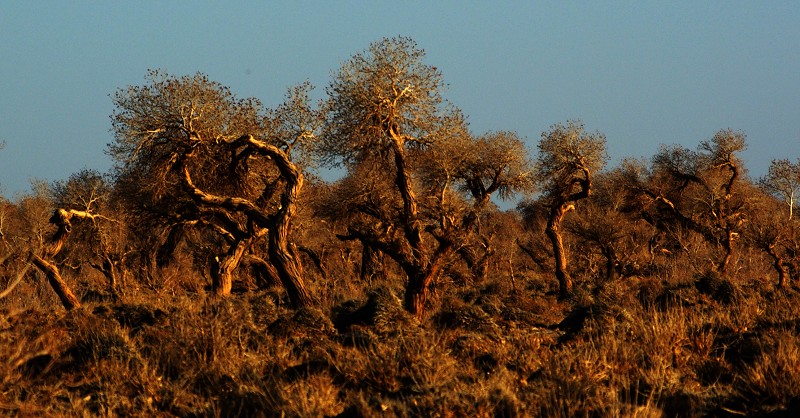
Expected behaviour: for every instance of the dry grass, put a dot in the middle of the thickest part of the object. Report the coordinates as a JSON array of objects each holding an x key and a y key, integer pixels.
[{"x": 668, "y": 345}]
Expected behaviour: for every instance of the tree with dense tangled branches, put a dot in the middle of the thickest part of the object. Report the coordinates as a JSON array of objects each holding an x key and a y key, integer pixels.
[
  {"x": 386, "y": 116},
  {"x": 192, "y": 155}
]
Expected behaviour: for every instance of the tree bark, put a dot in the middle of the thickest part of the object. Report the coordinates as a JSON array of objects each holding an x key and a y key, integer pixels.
[
  {"x": 416, "y": 295},
  {"x": 418, "y": 288},
  {"x": 287, "y": 265},
  {"x": 222, "y": 271},
  {"x": 58, "y": 284},
  {"x": 61, "y": 218},
  {"x": 412, "y": 229},
  {"x": 286, "y": 261},
  {"x": 777, "y": 263},
  {"x": 265, "y": 274},
  {"x": 553, "y": 232},
  {"x": 289, "y": 268}
]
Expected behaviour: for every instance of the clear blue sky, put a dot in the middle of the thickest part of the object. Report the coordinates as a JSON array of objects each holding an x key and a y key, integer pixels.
[{"x": 642, "y": 72}]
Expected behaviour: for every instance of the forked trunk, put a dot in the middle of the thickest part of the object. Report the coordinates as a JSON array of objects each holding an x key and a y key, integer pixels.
[
  {"x": 281, "y": 255},
  {"x": 108, "y": 268},
  {"x": 418, "y": 288},
  {"x": 265, "y": 274},
  {"x": 60, "y": 218},
  {"x": 222, "y": 271},
  {"x": 287, "y": 265}
]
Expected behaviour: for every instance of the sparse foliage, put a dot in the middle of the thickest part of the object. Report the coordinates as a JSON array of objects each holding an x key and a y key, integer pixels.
[
  {"x": 386, "y": 108},
  {"x": 569, "y": 157},
  {"x": 783, "y": 181},
  {"x": 673, "y": 311},
  {"x": 699, "y": 191},
  {"x": 199, "y": 157}
]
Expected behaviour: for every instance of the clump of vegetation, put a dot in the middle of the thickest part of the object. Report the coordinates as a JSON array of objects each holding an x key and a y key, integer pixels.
[{"x": 211, "y": 273}]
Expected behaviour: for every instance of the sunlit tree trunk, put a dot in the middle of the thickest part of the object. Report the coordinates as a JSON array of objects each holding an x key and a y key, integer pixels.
[
  {"x": 286, "y": 262},
  {"x": 265, "y": 274},
  {"x": 58, "y": 284},
  {"x": 222, "y": 270},
  {"x": 288, "y": 267},
  {"x": 418, "y": 288},
  {"x": 281, "y": 255},
  {"x": 61, "y": 218},
  {"x": 553, "y": 232}
]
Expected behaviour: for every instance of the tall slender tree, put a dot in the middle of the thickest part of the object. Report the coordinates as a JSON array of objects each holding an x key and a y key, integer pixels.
[{"x": 783, "y": 180}]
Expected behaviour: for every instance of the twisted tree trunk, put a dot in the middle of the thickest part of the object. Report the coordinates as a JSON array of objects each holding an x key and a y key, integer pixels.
[
  {"x": 777, "y": 263},
  {"x": 222, "y": 270},
  {"x": 553, "y": 232},
  {"x": 61, "y": 218},
  {"x": 287, "y": 264},
  {"x": 56, "y": 282}
]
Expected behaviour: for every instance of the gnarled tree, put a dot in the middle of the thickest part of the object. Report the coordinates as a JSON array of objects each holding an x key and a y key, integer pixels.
[
  {"x": 568, "y": 158},
  {"x": 768, "y": 231},
  {"x": 698, "y": 191},
  {"x": 610, "y": 222},
  {"x": 192, "y": 155},
  {"x": 386, "y": 110}
]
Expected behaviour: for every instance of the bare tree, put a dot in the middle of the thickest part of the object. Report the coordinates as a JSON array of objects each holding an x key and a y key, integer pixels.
[
  {"x": 385, "y": 106},
  {"x": 769, "y": 232},
  {"x": 783, "y": 181},
  {"x": 569, "y": 157},
  {"x": 610, "y": 222},
  {"x": 103, "y": 242},
  {"x": 698, "y": 191},
  {"x": 192, "y": 155}
]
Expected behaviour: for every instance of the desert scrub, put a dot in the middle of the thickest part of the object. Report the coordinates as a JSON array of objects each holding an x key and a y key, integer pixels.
[{"x": 774, "y": 379}]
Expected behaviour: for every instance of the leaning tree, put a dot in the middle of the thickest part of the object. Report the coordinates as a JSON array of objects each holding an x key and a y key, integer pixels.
[{"x": 191, "y": 155}]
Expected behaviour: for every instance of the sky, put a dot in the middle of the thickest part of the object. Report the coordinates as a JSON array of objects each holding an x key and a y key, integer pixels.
[{"x": 644, "y": 73}]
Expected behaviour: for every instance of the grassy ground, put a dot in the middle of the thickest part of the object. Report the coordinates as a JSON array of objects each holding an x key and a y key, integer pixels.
[{"x": 646, "y": 347}]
